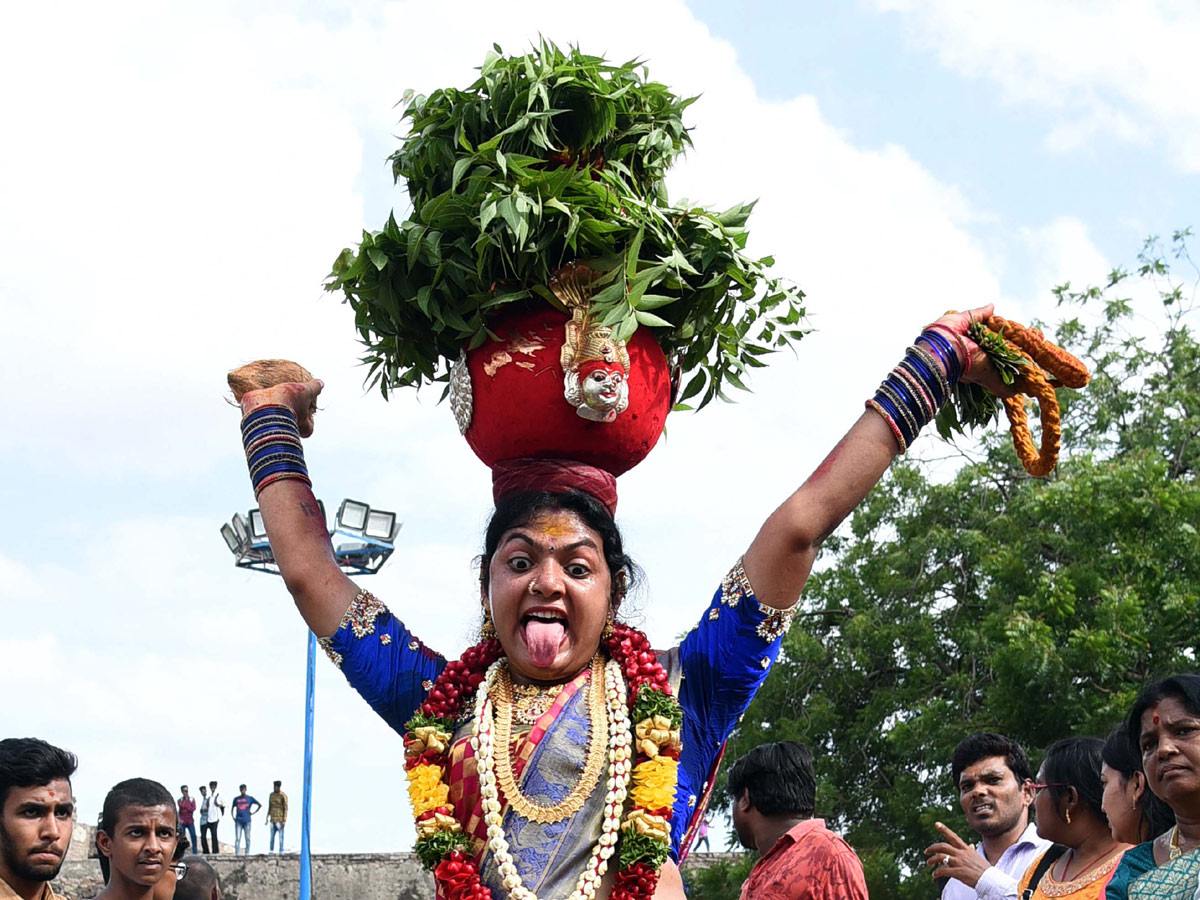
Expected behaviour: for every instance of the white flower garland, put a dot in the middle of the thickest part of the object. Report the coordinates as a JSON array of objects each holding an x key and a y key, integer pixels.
[{"x": 619, "y": 771}]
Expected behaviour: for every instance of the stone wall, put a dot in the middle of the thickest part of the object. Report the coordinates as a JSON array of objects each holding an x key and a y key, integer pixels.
[{"x": 336, "y": 876}]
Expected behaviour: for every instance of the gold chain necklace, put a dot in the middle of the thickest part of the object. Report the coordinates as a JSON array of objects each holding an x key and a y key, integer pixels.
[{"x": 597, "y": 747}]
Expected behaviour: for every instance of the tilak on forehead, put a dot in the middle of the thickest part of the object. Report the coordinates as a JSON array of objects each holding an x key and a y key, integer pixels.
[{"x": 556, "y": 524}]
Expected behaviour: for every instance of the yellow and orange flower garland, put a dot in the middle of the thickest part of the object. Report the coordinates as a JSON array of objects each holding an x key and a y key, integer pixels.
[
  {"x": 1043, "y": 360},
  {"x": 644, "y": 761}
]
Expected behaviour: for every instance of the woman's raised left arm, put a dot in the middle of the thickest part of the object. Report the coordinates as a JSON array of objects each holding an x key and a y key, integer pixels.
[{"x": 781, "y": 557}]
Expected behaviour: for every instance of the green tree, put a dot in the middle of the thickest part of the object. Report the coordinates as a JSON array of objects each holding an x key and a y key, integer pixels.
[{"x": 1032, "y": 607}]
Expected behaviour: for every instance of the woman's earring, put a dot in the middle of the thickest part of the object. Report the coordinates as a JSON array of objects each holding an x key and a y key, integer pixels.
[
  {"x": 1067, "y": 816},
  {"x": 608, "y": 627},
  {"x": 487, "y": 630}
]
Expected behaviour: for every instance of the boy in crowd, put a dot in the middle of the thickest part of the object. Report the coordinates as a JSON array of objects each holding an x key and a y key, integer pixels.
[{"x": 138, "y": 835}]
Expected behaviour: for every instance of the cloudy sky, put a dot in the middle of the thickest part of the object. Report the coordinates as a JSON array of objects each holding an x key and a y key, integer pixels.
[{"x": 176, "y": 179}]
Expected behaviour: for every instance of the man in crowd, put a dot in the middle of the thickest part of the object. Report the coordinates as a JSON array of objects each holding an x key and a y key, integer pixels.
[
  {"x": 199, "y": 881},
  {"x": 37, "y": 810},
  {"x": 773, "y": 789},
  {"x": 139, "y": 831},
  {"x": 242, "y": 814},
  {"x": 277, "y": 814},
  {"x": 187, "y": 812},
  {"x": 995, "y": 789},
  {"x": 211, "y": 810},
  {"x": 205, "y": 804}
]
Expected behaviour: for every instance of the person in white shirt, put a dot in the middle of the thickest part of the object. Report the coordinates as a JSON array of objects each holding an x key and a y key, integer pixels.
[
  {"x": 211, "y": 810},
  {"x": 995, "y": 789}
]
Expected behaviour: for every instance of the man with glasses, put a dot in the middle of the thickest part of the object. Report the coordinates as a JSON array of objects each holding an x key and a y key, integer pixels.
[
  {"x": 197, "y": 881},
  {"x": 996, "y": 790}
]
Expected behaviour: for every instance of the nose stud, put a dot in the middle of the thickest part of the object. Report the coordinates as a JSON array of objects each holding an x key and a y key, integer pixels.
[{"x": 533, "y": 586}]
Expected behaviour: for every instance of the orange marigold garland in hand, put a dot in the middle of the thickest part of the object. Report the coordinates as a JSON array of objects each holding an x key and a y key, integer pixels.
[{"x": 1034, "y": 367}]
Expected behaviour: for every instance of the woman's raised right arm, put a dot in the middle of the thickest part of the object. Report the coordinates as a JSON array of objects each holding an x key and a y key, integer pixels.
[{"x": 295, "y": 526}]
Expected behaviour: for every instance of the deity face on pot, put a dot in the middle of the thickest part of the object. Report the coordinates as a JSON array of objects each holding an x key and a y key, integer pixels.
[
  {"x": 598, "y": 391},
  {"x": 549, "y": 593}
]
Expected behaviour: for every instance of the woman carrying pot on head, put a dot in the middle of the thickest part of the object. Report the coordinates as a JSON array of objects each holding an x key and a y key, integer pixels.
[
  {"x": 1164, "y": 727},
  {"x": 1067, "y": 804},
  {"x": 1135, "y": 814},
  {"x": 562, "y": 740}
]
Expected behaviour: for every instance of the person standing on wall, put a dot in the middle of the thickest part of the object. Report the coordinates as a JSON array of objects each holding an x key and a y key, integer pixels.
[{"x": 277, "y": 810}]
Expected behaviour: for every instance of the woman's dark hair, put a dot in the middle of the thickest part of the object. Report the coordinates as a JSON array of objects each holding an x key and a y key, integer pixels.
[
  {"x": 1120, "y": 755},
  {"x": 1075, "y": 763},
  {"x": 31, "y": 762},
  {"x": 778, "y": 777},
  {"x": 517, "y": 509},
  {"x": 986, "y": 744},
  {"x": 133, "y": 792},
  {"x": 1184, "y": 688}
]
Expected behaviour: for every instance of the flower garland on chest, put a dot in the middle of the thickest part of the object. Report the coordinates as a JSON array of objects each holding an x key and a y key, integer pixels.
[{"x": 642, "y": 769}]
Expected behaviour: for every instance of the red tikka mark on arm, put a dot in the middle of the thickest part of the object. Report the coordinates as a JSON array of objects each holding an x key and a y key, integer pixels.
[{"x": 827, "y": 464}]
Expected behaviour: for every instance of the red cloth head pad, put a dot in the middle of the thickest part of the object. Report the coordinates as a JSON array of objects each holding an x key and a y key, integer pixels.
[
  {"x": 558, "y": 476},
  {"x": 519, "y": 397}
]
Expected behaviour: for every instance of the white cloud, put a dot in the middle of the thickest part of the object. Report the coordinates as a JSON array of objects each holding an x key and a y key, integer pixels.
[
  {"x": 186, "y": 176},
  {"x": 1107, "y": 67}
]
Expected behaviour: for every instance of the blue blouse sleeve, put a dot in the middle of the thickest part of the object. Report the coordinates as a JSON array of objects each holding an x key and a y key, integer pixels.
[
  {"x": 724, "y": 661},
  {"x": 382, "y": 660}
]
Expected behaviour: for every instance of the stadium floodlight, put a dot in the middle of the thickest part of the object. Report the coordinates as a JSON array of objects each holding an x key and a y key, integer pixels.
[
  {"x": 352, "y": 515},
  {"x": 380, "y": 525},
  {"x": 230, "y": 538},
  {"x": 258, "y": 529},
  {"x": 241, "y": 527},
  {"x": 362, "y": 541}
]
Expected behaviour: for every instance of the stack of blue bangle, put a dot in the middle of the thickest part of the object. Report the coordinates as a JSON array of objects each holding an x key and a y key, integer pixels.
[
  {"x": 273, "y": 449},
  {"x": 915, "y": 390}
]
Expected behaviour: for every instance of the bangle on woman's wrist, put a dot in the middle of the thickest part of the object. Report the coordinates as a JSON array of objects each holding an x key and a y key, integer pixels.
[
  {"x": 946, "y": 333},
  {"x": 875, "y": 405},
  {"x": 274, "y": 452},
  {"x": 916, "y": 388}
]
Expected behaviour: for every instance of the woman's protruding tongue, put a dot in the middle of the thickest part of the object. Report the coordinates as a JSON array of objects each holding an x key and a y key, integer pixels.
[{"x": 543, "y": 638}]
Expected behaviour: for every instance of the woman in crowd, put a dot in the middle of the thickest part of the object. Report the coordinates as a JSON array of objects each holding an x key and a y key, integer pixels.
[
  {"x": 1164, "y": 726},
  {"x": 1069, "y": 813},
  {"x": 1135, "y": 814}
]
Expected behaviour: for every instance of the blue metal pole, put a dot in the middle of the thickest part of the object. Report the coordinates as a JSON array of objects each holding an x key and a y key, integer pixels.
[{"x": 306, "y": 813}]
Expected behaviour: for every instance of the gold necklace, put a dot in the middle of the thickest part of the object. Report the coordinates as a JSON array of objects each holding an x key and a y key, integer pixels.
[
  {"x": 530, "y": 702},
  {"x": 597, "y": 750}
]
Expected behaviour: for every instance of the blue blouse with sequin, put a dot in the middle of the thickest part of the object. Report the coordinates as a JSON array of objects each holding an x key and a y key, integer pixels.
[{"x": 719, "y": 667}]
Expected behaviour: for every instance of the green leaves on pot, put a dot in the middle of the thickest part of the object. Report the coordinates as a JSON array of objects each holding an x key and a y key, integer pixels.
[{"x": 549, "y": 158}]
